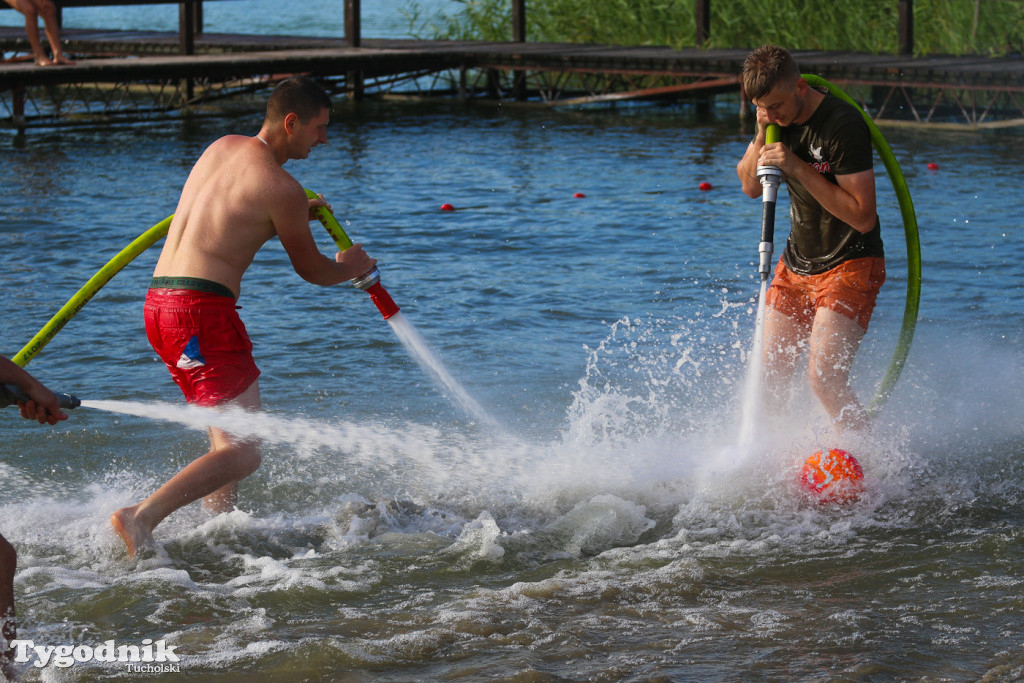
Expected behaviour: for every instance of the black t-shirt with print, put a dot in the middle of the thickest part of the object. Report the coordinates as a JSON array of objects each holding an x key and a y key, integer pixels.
[{"x": 835, "y": 140}]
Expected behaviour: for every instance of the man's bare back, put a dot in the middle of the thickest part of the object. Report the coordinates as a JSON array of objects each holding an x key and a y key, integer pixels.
[
  {"x": 222, "y": 218},
  {"x": 236, "y": 198}
]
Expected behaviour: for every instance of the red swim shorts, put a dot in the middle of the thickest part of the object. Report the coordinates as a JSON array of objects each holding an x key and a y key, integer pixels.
[
  {"x": 850, "y": 289},
  {"x": 203, "y": 342}
]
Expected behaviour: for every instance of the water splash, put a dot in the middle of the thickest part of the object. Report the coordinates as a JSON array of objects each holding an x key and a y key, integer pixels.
[{"x": 418, "y": 348}]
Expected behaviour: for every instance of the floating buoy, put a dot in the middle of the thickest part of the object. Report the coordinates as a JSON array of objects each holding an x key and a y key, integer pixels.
[
  {"x": 932, "y": 166},
  {"x": 705, "y": 186},
  {"x": 579, "y": 195},
  {"x": 447, "y": 207},
  {"x": 832, "y": 476}
]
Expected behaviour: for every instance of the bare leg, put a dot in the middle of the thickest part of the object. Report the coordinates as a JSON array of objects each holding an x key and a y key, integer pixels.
[
  {"x": 834, "y": 343},
  {"x": 28, "y": 8},
  {"x": 785, "y": 340},
  {"x": 8, "y": 563},
  {"x": 214, "y": 475},
  {"x": 224, "y": 498},
  {"x": 49, "y": 13}
]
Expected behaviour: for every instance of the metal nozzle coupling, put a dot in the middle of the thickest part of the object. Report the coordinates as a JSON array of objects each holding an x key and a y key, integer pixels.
[
  {"x": 367, "y": 279},
  {"x": 771, "y": 178},
  {"x": 764, "y": 250}
]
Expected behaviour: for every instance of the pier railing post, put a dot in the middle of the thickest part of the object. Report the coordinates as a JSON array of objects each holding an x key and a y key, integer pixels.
[
  {"x": 353, "y": 38},
  {"x": 352, "y": 23},
  {"x": 702, "y": 17},
  {"x": 906, "y": 27},
  {"x": 18, "y": 106},
  {"x": 187, "y": 42},
  {"x": 519, "y": 21},
  {"x": 187, "y": 27},
  {"x": 197, "y": 18},
  {"x": 519, "y": 36}
]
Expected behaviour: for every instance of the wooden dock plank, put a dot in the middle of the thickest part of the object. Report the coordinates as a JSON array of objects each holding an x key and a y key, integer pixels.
[
  {"x": 331, "y": 53},
  {"x": 109, "y": 56}
]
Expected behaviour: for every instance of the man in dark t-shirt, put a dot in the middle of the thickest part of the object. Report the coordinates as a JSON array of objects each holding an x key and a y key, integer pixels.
[{"x": 827, "y": 280}]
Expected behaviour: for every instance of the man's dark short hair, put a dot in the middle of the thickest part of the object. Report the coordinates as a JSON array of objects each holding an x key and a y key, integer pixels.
[
  {"x": 298, "y": 95},
  {"x": 767, "y": 67}
]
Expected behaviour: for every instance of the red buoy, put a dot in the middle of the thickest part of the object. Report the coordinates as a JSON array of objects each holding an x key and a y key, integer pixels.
[
  {"x": 932, "y": 166},
  {"x": 705, "y": 186},
  {"x": 579, "y": 195},
  {"x": 447, "y": 207}
]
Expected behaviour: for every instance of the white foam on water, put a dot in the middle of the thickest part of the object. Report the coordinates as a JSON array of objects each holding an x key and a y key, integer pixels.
[
  {"x": 621, "y": 486},
  {"x": 633, "y": 487}
]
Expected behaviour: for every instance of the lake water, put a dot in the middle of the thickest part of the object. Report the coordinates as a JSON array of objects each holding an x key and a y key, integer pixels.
[{"x": 605, "y": 529}]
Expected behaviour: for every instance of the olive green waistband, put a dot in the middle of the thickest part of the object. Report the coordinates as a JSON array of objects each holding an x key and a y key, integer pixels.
[{"x": 194, "y": 283}]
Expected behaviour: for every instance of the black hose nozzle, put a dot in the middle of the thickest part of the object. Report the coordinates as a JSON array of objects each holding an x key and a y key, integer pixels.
[
  {"x": 771, "y": 178},
  {"x": 11, "y": 395}
]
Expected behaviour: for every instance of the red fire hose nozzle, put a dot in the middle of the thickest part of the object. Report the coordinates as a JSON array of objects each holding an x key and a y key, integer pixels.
[{"x": 370, "y": 283}]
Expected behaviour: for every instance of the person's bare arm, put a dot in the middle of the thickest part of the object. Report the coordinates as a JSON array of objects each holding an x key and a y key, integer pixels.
[
  {"x": 746, "y": 169},
  {"x": 44, "y": 406},
  {"x": 851, "y": 201},
  {"x": 290, "y": 216}
]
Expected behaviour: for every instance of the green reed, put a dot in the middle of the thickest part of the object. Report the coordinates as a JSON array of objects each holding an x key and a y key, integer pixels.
[{"x": 986, "y": 27}]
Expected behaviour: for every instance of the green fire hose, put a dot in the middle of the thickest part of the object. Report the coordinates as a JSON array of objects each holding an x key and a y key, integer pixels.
[
  {"x": 89, "y": 289},
  {"x": 913, "y": 296}
]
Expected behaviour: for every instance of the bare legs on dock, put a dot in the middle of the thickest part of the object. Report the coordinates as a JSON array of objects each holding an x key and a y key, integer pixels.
[{"x": 33, "y": 9}]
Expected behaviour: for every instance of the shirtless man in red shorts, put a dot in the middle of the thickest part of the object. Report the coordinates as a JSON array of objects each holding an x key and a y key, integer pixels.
[
  {"x": 236, "y": 198},
  {"x": 826, "y": 283}
]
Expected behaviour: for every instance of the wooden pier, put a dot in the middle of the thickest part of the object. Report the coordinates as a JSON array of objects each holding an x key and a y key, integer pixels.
[{"x": 125, "y": 76}]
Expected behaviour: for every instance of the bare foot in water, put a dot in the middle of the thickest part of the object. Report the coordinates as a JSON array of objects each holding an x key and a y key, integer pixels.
[{"x": 131, "y": 531}]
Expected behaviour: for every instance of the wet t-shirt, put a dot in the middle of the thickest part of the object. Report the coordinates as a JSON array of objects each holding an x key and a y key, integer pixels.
[{"x": 835, "y": 140}]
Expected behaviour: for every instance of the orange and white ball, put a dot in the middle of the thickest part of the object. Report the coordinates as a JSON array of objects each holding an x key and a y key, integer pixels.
[{"x": 832, "y": 476}]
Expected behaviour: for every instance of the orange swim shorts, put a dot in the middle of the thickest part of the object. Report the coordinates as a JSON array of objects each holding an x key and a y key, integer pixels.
[
  {"x": 202, "y": 341},
  {"x": 850, "y": 289}
]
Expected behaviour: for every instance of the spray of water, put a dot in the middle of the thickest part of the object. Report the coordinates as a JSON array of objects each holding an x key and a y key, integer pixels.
[
  {"x": 417, "y": 347},
  {"x": 751, "y": 438},
  {"x": 420, "y": 453},
  {"x": 751, "y": 407}
]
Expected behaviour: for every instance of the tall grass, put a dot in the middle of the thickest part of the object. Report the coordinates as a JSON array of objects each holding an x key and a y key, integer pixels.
[{"x": 985, "y": 27}]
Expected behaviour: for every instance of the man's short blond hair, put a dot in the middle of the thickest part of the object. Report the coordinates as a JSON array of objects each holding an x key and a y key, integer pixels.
[{"x": 767, "y": 67}]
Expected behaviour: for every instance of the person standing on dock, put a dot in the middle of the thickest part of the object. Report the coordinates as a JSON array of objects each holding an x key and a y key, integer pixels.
[
  {"x": 236, "y": 198},
  {"x": 828, "y": 277},
  {"x": 33, "y": 9},
  {"x": 45, "y": 409}
]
